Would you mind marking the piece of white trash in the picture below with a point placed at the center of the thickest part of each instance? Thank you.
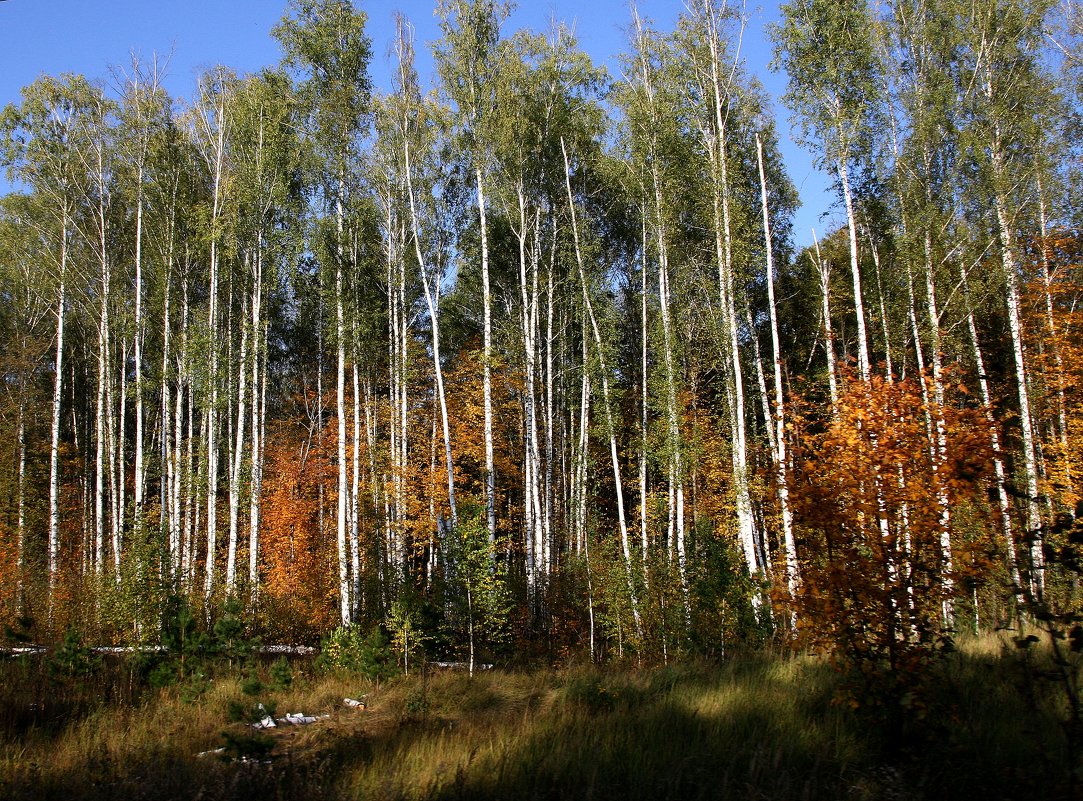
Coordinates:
(354, 703)
(299, 718)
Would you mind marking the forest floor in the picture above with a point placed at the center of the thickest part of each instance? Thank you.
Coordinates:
(759, 726)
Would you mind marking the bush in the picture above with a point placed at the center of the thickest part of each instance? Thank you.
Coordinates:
(345, 649)
(73, 659)
(281, 674)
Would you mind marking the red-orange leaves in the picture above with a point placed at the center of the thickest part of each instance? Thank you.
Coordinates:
(878, 506)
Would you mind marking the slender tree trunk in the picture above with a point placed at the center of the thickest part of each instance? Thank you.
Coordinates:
(1015, 326)
(238, 459)
(855, 271)
(528, 298)
(939, 440)
(119, 459)
(259, 397)
(644, 393)
(20, 524)
(166, 467)
(1003, 502)
(823, 268)
(183, 468)
(139, 471)
(890, 375)
(212, 329)
(716, 142)
(782, 482)
(487, 357)
(355, 496)
(100, 411)
(610, 427)
(100, 439)
(1054, 338)
(431, 288)
(340, 412)
(547, 526)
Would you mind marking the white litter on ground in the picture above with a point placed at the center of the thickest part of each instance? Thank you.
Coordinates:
(353, 702)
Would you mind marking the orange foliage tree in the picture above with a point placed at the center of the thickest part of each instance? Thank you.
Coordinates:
(875, 572)
(297, 588)
(1055, 345)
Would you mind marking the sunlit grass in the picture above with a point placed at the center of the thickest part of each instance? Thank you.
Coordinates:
(760, 726)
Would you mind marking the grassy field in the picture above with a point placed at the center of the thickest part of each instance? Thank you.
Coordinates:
(760, 726)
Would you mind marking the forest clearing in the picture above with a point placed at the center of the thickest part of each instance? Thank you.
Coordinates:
(762, 725)
(523, 366)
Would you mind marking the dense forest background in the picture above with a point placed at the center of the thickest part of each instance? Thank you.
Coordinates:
(526, 362)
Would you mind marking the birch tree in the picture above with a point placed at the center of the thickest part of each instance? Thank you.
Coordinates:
(326, 44)
(826, 50)
(40, 138)
(1006, 96)
(466, 59)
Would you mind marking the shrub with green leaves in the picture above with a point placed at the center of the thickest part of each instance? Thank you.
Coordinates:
(346, 649)
(281, 674)
(73, 659)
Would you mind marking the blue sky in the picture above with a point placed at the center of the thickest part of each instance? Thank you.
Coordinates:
(55, 36)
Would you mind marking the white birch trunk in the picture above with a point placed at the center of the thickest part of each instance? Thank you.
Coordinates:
(1054, 338)
(432, 298)
(1003, 502)
(238, 460)
(644, 391)
(355, 493)
(940, 439)
(139, 471)
(610, 428)
(782, 482)
(855, 271)
(255, 500)
(119, 460)
(1015, 325)
(340, 412)
(823, 269)
(218, 157)
(487, 356)
(54, 428)
(100, 410)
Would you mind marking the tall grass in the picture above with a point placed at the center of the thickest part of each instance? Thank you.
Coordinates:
(757, 727)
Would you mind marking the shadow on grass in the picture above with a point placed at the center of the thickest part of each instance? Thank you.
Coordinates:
(754, 728)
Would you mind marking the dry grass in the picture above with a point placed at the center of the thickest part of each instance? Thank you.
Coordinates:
(763, 727)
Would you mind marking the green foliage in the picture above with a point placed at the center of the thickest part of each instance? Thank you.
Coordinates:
(73, 659)
(281, 674)
(406, 622)
(346, 650)
(417, 702)
(247, 712)
(252, 685)
(194, 685)
(479, 583)
(247, 746)
(228, 640)
(325, 43)
(190, 654)
(826, 48)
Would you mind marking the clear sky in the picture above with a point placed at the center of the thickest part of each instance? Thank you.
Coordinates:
(55, 36)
